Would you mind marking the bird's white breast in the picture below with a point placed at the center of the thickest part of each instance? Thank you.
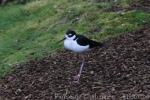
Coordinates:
(73, 46)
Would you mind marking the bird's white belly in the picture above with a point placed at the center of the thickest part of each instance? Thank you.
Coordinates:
(73, 46)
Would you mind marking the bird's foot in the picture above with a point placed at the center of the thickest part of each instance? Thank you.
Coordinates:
(76, 78)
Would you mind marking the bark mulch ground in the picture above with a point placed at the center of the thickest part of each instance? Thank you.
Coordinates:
(118, 71)
(143, 5)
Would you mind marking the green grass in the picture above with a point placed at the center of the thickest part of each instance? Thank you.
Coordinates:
(30, 31)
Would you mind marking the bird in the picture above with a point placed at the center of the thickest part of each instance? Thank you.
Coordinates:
(78, 44)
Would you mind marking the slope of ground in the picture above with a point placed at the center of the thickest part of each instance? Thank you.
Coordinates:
(30, 31)
(119, 70)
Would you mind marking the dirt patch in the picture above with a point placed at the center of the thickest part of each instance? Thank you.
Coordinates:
(134, 5)
(140, 5)
(120, 69)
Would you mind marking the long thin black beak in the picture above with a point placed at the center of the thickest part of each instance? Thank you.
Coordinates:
(61, 40)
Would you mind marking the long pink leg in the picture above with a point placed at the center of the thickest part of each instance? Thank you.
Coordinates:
(77, 77)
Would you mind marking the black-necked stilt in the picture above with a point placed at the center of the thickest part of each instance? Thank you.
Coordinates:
(78, 44)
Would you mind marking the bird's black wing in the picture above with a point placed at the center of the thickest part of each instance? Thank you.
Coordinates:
(82, 40)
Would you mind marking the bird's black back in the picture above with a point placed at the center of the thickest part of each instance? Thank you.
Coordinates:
(81, 40)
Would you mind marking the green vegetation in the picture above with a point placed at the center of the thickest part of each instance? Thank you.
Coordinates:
(30, 31)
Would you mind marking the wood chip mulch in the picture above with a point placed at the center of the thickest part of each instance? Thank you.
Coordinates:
(118, 71)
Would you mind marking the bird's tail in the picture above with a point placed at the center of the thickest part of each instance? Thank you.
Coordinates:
(101, 44)
(96, 44)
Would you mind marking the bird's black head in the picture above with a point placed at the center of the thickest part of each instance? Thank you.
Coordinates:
(70, 33)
